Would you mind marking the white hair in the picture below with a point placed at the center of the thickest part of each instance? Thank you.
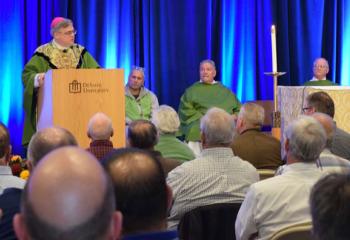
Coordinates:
(307, 139)
(218, 127)
(166, 120)
(321, 58)
(252, 114)
(139, 69)
(211, 62)
(100, 127)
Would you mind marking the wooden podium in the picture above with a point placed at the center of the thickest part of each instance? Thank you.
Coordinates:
(69, 98)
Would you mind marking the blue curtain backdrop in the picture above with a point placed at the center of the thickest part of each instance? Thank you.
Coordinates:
(169, 38)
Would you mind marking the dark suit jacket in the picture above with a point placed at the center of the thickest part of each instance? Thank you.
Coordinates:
(10, 204)
(260, 149)
(341, 144)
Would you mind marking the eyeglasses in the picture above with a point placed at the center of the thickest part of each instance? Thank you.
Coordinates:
(69, 33)
(320, 66)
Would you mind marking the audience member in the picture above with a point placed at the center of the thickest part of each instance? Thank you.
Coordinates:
(143, 134)
(100, 131)
(142, 194)
(42, 142)
(167, 122)
(7, 180)
(252, 145)
(61, 52)
(75, 202)
(280, 201)
(10, 205)
(328, 161)
(201, 96)
(47, 140)
(330, 209)
(217, 176)
(139, 101)
(320, 70)
(322, 102)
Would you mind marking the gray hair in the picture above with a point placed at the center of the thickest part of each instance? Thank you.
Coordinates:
(166, 120)
(253, 114)
(307, 139)
(218, 127)
(321, 58)
(100, 127)
(139, 69)
(211, 62)
(63, 24)
(46, 140)
(328, 124)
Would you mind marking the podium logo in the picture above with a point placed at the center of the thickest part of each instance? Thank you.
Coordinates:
(75, 87)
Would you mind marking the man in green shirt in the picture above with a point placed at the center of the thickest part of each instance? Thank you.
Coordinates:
(61, 52)
(321, 69)
(201, 96)
(139, 101)
(167, 122)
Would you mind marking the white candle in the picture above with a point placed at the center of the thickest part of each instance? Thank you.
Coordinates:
(274, 51)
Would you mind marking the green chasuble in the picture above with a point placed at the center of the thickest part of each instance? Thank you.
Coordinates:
(195, 102)
(320, 83)
(48, 57)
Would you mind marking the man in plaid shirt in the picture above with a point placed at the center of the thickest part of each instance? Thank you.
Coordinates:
(100, 131)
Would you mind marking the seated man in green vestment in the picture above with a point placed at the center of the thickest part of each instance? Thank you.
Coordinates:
(321, 69)
(139, 101)
(201, 96)
(61, 52)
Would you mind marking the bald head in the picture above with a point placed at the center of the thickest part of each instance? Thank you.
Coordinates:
(328, 125)
(141, 190)
(100, 127)
(142, 134)
(68, 194)
(46, 140)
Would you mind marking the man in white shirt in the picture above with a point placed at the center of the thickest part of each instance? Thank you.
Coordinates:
(278, 202)
(328, 161)
(216, 176)
(7, 180)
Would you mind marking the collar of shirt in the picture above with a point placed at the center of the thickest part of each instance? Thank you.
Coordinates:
(316, 79)
(143, 92)
(227, 151)
(104, 142)
(212, 83)
(300, 166)
(5, 170)
(251, 130)
(57, 45)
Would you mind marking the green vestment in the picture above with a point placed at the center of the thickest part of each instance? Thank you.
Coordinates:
(320, 83)
(195, 102)
(47, 57)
